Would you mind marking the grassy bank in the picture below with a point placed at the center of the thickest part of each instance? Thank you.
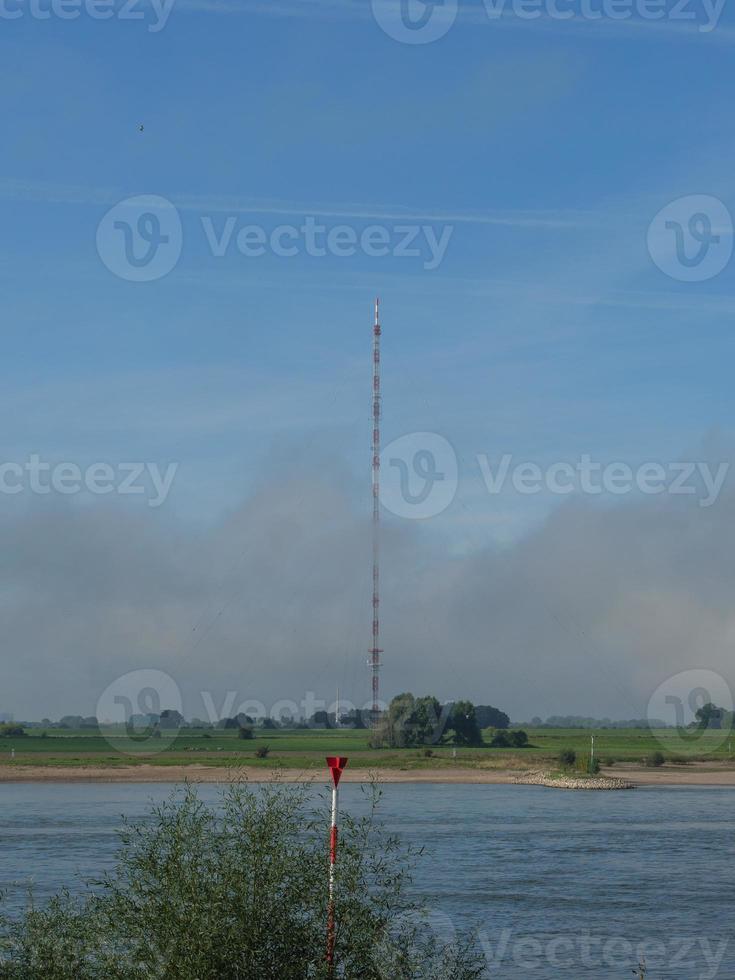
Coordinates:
(304, 749)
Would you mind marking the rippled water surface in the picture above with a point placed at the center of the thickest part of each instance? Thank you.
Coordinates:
(557, 884)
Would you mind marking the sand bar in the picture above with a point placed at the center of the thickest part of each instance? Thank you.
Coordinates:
(697, 774)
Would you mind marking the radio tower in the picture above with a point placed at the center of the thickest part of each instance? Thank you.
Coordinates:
(375, 650)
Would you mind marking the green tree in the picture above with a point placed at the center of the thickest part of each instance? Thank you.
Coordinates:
(170, 718)
(396, 723)
(463, 721)
(489, 717)
(353, 719)
(709, 716)
(9, 730)
(410, 721)
(240, 721)
(235, 891)
(426, 722)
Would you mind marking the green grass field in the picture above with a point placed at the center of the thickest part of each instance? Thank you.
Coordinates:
(305, 749)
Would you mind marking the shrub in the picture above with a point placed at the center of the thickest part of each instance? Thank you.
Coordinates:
(427, 753)
(236, 890)
(9, 730)
(244, 732)
(262, 751)
(567, 758)
(654, 760)
(500, 740)
(593, 766)
(519, 739)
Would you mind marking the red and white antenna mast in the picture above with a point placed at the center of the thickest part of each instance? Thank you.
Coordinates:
(375, 650)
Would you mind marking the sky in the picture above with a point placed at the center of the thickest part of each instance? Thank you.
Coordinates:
(199, 206)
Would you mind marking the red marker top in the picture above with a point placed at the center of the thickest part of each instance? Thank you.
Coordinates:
(337, 764)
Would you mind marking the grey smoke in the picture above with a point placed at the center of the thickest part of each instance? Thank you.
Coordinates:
(587, 614)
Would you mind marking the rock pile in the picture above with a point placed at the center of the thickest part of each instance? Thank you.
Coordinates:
(564, 781)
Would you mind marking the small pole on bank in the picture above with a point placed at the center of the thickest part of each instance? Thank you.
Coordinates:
(592, 749)
(336, 767)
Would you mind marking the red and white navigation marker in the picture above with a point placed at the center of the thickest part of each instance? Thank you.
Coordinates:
(336, 765)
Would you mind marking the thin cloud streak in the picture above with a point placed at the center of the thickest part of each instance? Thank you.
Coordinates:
(44, 192)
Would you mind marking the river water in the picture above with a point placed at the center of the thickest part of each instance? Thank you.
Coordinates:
(555, 884)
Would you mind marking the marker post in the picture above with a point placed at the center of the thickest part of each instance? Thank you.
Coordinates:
(336, 767)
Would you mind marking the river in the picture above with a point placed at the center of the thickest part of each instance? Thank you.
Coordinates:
(556, 884)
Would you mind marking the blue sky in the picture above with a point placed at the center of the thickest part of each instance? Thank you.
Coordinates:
(546, 331)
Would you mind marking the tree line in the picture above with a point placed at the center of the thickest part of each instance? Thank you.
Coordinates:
(411, 721)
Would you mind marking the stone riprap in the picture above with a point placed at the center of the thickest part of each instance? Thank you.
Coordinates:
(570, 781)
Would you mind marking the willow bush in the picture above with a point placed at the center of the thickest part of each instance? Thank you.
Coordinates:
(237, 891)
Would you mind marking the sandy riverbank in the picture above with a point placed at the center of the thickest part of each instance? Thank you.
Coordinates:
(697, 774)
